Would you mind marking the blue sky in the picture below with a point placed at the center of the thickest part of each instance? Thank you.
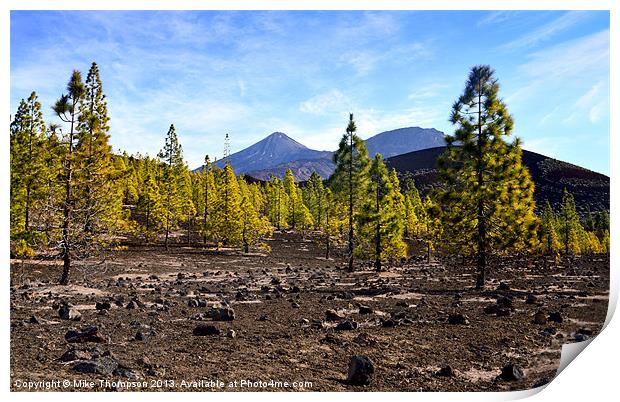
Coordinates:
(251, 73)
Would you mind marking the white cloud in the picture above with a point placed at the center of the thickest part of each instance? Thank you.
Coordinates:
(548, 30)
(586, 55)
(497, 17)
(426, 92)
(326, 103)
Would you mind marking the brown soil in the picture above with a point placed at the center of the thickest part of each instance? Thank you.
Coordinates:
(282, 347)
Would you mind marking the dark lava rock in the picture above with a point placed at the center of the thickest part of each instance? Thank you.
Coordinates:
(346, 296)
(555, 317)
(88, 334)
(365, 309)
(530, 299)
(75, 354)
(68, 313)
(318, 324)
(132, 305)
(503, 312)
(222, 314)
(103, 305)
(581, 337)
(540, 318)
(504, 301)
(511, 372)
(585, 331)
(503, 286)
(36, 320)
(390, 323)
(263, 317)
(458, 319)
(204, 330)
(445, 371)
(332, 315)
(361, 370)
(347, 326)
(126, 372)
(192, 303)
(104, 365)
(491, 309)
(365, 339)
(141, 336)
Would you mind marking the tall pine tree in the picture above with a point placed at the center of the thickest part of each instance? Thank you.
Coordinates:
(27, 142)
(488, 202)
(68, 109)
(350, 177)
(171, 182)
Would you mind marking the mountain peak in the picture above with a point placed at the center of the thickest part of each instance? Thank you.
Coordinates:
(279, 138)
(272, 150)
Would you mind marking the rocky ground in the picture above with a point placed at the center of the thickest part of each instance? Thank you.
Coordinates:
(153, 319)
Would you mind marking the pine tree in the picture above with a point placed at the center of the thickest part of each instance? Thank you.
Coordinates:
(208, 185)
(380, 219)
(149, 203)
(297, 214)
(432, 221)
(228, 222)
(185, 194)
(254, 227)
(549, 237)
(413, 210)
(51, 175)
(350, 177)
(277, 202)
(27, 141)
(314, 198)
(173, 168)
(488, 202)
(98, 202)
(330, 227)
(67, 108)
(569, 226)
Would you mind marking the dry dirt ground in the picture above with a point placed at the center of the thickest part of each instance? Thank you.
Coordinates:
(282, 334)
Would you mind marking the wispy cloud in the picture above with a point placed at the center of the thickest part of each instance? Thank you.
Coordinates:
(545, 32)
(330, 102)
(497, 17)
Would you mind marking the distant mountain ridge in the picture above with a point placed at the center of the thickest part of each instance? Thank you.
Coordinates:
(403, 140)
(303, 161)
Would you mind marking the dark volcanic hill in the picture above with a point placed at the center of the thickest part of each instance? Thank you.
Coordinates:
(273, 150)
(403, 140)
(387, 143)
(550, 176)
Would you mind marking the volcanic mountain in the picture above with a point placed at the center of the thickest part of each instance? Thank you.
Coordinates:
(273, 150)
(550, 177)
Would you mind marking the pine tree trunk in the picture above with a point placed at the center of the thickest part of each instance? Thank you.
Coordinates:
(167, 232)
(351, 204)
(482, 231)
(279, 208)
(189, 231)
(378, 236)
(428, 252)
(66, 244)
(27, 212)
(206, 213)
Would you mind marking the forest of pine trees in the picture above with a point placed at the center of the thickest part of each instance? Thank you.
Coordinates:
(72, 197)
